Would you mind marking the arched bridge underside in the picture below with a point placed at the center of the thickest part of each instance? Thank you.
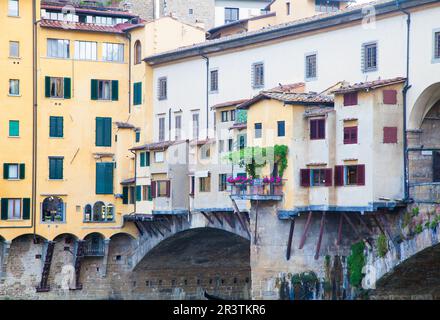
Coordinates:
(412, 271)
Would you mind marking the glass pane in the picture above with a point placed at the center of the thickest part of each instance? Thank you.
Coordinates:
(13, 171)
(13, 49)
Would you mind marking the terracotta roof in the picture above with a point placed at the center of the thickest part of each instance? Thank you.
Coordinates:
(370, 85)
(238, 126)
(109, 11)
(317, 111)
(228, 104)
(290, 98)
(128, 181)
(163, 145)
(124, 125)
(202, 142)
(289, 88)
(88, 27)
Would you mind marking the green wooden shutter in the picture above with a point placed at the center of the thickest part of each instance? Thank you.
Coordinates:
(67, 88)
(124, 195)
(26, 208)
(100, 171)
(99, 131)
(115, 90)
(4, 209)
(137, 96)
(142, 159)
(60, 168)
(138, 193)
(109, 178)
(104, 178)
(14, 128)
(60, 127)
(108, 132)
(47, 87)
(94, 89)
(150, 197)
(147, 159)
(22, 170)
(5, 171)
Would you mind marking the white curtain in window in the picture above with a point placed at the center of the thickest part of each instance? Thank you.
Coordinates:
(13, 172)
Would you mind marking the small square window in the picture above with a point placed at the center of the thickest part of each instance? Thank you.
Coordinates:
(13, 8)
(104, 90)
(258, 130)
(351, 175)
(159, 156)
(225, 115)
(258, 75)
(13, 171)
(370, 57)
(14, 128)
(390, 135)
(14, 87)
(351, 135)
(281, 128)
(14, 49)
(205, 184)
(14, 209)
(56, 87)
(310, 66)
(162, 88)
(350, 99)
(317, 129)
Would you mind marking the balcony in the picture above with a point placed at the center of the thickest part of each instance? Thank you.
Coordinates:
(257, 190)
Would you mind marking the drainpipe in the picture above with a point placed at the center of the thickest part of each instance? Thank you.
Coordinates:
(207, 94)
(34, 118)
(404, 92)
(128, 36)
(135, 179)
(169, 124)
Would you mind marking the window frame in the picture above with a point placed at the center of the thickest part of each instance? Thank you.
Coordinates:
(258, 80)
(11, 86)
(224, 115)
(317, 134)
(307, 75)
(54, 82)
(213, 81)
(283, 123)
(161, 128)
(60, 159)
(17, 123)
(101, 87)
(20, 216)
(351, 138)
(258, 132)
(108, 49)
(17, 43)
(366, 67)
(17, 8)
(222, 182)
(78, 50)
(137, 52)
(17, 166)
(436, 45)
(228, 14)
(65, 49)
(162, 86)
(205, 183)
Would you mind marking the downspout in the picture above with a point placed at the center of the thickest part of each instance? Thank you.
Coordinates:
(128, 36)
(135, 179)
(207, 94)
(169, 124)
(404, 92)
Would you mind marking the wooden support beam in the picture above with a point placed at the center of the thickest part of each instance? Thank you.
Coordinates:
(147, 226)
(229, 218)
(154, 226)
(136, 223)
(376, 221)
(306, 229)
(358, 234)
(341, 219)
(239, 218)
(289, 241)
(210, 221)
(321, 232)
(164, 224)
(218, 216)
(364, 224)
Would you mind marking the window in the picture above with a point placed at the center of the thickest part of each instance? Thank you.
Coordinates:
(231, 15)
(113, 52)
(221, 146)
(58, 48)
(144, 159)
(230, 144)
(13, 8)
(101, 212)
(258, 130)
(162, 129)
(225, 115)
(281, 125)
(288, 8)
(241, 142)
(56, 168)
(178, 126)
(14, 209)
(317, 129)
(195, 124)
(350, 99)
(53, 210)
(163, 189)
(390, 135)
(350, 175)
(326, 6)
(232, 115)
(137, 52)
(137, 93)
(14, 87)
(103, 132)
(437, 45)
(13, 171)
(205, 184)
(14, 128)
(104, 177)
(311, 67)
(137, 136)
(14, 49)
(369, 57)
(351, 135)
(159, 156)
(85, 50)
(316, 177)
(162, 88)
(104, 90)
(258, 75)
(56, 87)
(389, 96)
(222, 185)
(205, 151)
(190, 11)
(214, 81)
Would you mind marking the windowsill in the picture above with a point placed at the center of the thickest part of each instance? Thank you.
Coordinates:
(311, 79)
(53, 222)
(14, 95)
(100, 222)
(14, 58)
(14, 179)
(56, 179)
(162, 99)
(14, 137)
(56, 138)
(58, 58)
(213, 92)
(257, 87)
(9, 16)
(370, 70)
(55, 98)
(14, 220)
(435, 60)
(350, 144)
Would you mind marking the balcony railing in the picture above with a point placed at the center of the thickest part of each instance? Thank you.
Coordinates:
(257, 191)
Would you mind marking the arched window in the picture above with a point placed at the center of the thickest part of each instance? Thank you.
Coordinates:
(88, 213)
(98, 211)
(137, 52)
(94, 246)
(110, 212)
(53, 210)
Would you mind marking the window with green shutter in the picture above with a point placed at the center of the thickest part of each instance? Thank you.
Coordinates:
(57, 87)
(124, 195)
(56, 168)
(14, 128)
(67, 88)
(103, 132)
(142, 159)
(137, 93)
(138, 193)
(13, 171)
(94, 89)
(115, 90)
(138, 136)
(150, 196)
(104, 177)
(56, 127)
(15, 208)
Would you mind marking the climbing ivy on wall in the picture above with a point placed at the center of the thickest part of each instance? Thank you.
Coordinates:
(356, 262)
(382, 245)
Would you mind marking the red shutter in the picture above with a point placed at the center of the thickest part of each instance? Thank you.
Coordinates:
(361, 175)
(347, 135)
(153, 189)
(339, 176)
(321, 129)
(389, 96)
(305, 177)
(390, 135)
(168, 188)
(328, 177)
(313, 129)
(350, 99)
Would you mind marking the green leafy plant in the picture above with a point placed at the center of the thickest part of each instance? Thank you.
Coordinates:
(356, 262)
(407, 217)
(418, 229)
(415, 211)
(382, 245)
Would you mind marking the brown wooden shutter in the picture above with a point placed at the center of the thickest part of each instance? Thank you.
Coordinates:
(313, 129)
(305, 177)
(350, 99)
(168, 188)
(339, 176)
(153, 189)
(389, 96)
(390, 135)
(328, 177)
(361, 175)
(321, 129)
